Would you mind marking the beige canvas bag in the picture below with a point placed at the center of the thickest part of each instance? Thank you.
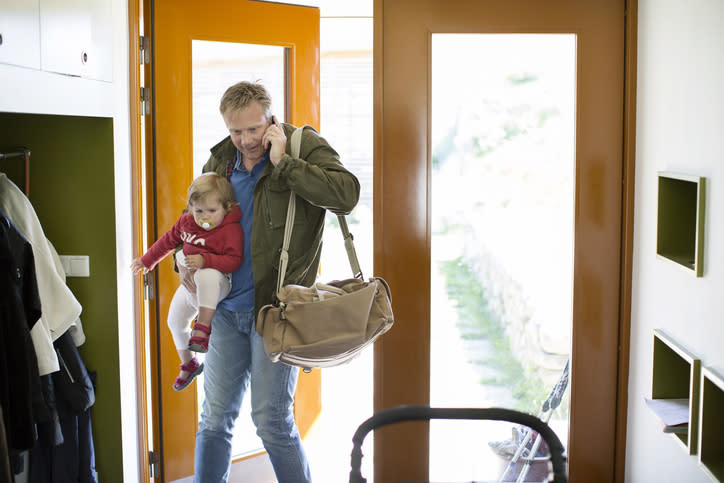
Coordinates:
(326, 324)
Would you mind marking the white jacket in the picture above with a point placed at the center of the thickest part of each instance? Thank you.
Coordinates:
(60, 309)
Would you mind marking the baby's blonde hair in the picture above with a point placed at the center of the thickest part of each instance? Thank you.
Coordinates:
(211, 184)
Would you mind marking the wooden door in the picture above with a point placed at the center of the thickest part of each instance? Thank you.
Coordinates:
(174, 27)
(403, 30)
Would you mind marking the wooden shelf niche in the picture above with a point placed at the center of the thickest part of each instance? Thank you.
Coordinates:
(711, 424)
(680, 221)
(675, 387)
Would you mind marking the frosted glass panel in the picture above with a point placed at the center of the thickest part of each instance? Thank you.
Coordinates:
(346, 122)
(503, 172)
(218, 65)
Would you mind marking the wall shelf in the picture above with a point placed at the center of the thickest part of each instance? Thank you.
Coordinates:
(675, 381)
(680, 221)
(711, 429)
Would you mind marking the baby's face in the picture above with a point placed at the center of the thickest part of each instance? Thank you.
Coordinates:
(208, 213)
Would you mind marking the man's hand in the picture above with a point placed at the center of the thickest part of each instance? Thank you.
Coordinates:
(194, 261)
(274, 136)
(185, 273)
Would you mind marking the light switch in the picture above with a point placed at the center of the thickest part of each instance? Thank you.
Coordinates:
(65, 261)
(76, 265)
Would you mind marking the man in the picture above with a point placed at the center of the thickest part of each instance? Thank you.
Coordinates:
(255, 159)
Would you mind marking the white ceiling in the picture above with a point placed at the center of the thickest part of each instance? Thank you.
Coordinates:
(337, 8)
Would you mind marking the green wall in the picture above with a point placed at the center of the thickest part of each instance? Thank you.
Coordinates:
(72, 191)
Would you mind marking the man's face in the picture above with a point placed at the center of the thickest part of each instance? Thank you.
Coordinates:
(246, 127)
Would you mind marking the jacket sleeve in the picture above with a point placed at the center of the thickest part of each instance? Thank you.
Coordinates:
(230, 259)
(163, 246)
(73, 385)
(318, 176)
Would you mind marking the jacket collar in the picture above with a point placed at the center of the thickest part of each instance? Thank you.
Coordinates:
(224, 150)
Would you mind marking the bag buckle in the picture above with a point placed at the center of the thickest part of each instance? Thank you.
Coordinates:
(282, 312)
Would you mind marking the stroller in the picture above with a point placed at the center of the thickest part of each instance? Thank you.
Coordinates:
(426, 413)
(526, 448)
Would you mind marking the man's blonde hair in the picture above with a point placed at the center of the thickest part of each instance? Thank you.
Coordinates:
(208, 185)
(242, 94)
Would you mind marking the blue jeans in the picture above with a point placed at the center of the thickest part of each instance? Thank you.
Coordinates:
(236, 361)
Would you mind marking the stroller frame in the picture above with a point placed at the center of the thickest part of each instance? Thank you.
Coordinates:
(425, 413)
(549, 405)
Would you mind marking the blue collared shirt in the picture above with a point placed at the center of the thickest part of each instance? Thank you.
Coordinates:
(241, 297)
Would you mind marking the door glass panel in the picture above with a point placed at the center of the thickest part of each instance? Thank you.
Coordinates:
(503, 172)
(216, 66)
(346, 122)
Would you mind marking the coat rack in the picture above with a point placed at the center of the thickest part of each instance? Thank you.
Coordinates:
(20, 153)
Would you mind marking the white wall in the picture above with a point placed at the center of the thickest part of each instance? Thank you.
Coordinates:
(124, 240)
(679, 128)
(35, 91)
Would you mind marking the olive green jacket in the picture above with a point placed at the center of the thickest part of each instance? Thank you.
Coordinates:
(320, 182)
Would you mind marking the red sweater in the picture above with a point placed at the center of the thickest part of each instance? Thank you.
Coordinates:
(221, 247)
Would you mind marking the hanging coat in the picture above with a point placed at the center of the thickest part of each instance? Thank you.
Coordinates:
(19, 312)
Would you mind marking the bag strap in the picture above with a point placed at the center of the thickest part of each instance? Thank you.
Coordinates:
(349, 247)
(296, 142)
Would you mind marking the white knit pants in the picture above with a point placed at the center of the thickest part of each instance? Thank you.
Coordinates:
(212, 286)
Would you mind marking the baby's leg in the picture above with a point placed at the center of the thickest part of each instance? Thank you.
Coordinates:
(180, 312)
(211, 287)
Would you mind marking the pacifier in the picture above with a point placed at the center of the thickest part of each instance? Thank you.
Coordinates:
(207, 224)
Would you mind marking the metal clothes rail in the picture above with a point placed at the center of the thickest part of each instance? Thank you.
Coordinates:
(20, 153)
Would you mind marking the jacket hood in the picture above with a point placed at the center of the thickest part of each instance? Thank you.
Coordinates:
(233, 216)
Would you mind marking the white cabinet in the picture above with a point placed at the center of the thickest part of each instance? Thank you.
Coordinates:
(76, 38)
(71, 37)
(56, 56)
(20, 33)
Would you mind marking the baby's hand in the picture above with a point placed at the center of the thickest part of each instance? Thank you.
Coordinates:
(137, 266)
(194, 261)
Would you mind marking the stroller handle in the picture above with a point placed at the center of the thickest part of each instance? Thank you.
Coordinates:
(425, 413)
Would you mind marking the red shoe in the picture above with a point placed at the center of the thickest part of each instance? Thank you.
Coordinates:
(200, 343)
(193, 368)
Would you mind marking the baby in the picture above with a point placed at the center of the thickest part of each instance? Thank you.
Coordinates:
(212, 246)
